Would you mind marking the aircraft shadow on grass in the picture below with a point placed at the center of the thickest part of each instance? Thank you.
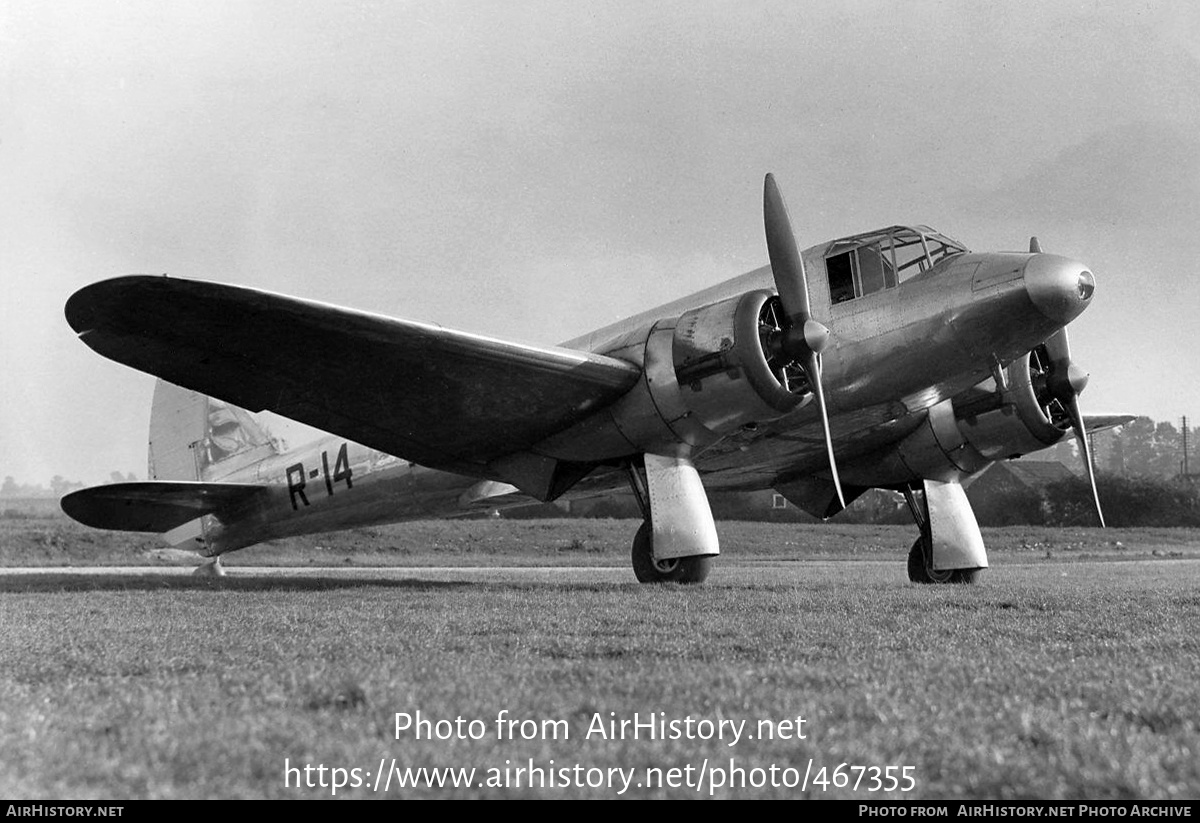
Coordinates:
(143, 581)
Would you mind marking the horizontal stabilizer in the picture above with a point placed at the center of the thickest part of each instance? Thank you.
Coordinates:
(155, 506)
(1100, 422)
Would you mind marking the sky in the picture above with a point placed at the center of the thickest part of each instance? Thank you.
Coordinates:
(533, 170)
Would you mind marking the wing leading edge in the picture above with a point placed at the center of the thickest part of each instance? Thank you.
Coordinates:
(446, 399)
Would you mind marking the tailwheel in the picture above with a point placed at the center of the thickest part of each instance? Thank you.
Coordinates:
(210, 567)
(673, 570)
(920, 567)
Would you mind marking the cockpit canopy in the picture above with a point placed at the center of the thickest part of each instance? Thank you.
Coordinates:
(867, 263)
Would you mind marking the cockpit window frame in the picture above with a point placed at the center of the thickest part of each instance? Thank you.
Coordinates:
(934, 246)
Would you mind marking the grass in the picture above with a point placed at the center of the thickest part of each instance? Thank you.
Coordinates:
(1075, 680)
(58, 541)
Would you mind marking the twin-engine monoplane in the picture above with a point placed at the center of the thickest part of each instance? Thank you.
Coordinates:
(894, 359)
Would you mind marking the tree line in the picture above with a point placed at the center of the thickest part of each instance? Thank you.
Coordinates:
(1142, 448)
(59, 485)
(1140, 477)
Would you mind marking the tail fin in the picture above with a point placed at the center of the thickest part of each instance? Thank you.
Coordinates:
(194, 437)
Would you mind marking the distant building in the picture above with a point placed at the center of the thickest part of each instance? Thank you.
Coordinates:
(1013, 492)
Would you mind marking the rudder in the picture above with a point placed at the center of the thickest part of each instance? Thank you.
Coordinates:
(195, 437)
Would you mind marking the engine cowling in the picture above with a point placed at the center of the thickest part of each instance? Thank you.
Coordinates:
(987, 422)
(719, 357)
(707, 374)
(1025, 419)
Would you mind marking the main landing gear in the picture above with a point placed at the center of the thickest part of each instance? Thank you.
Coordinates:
(677, 540)
(955, 554)
(920, 566)
(671, 570)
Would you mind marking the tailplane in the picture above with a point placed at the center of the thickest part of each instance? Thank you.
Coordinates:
(195, 441)
(158, 506)
(194, 437)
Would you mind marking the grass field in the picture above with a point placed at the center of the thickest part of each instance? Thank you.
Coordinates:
(1066, 676)
(40, 540)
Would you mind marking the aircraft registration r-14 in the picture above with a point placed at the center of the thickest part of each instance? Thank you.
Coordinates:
(894, 359)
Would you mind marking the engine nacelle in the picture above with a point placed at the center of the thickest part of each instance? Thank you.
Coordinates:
(987, 422)
(706, 374)
(721, 367)
(1023, 422)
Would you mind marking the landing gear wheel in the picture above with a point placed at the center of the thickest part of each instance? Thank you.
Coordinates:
(675, 570)
(920, 568)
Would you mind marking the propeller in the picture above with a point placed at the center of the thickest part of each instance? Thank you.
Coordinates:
(1065, 382)
(801, 338)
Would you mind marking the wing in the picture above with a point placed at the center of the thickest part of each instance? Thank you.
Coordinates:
(155, 506)
(442, 398)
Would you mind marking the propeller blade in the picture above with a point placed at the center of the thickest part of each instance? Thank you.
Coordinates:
(1034, 246)
(804, 337)
(813, 366)
(1067, 380)
(1084, 449)
(786, 263)
(1058, 346)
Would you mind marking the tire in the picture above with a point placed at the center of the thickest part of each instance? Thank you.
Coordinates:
(919, 571)
(676, 570)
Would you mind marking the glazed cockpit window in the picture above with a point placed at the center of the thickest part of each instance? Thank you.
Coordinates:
(869, 263)
(841, 277)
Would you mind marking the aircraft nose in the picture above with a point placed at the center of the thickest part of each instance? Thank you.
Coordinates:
(1059, 287)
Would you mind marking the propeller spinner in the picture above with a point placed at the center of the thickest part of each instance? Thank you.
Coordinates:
(1065, 382)
(801, 338)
